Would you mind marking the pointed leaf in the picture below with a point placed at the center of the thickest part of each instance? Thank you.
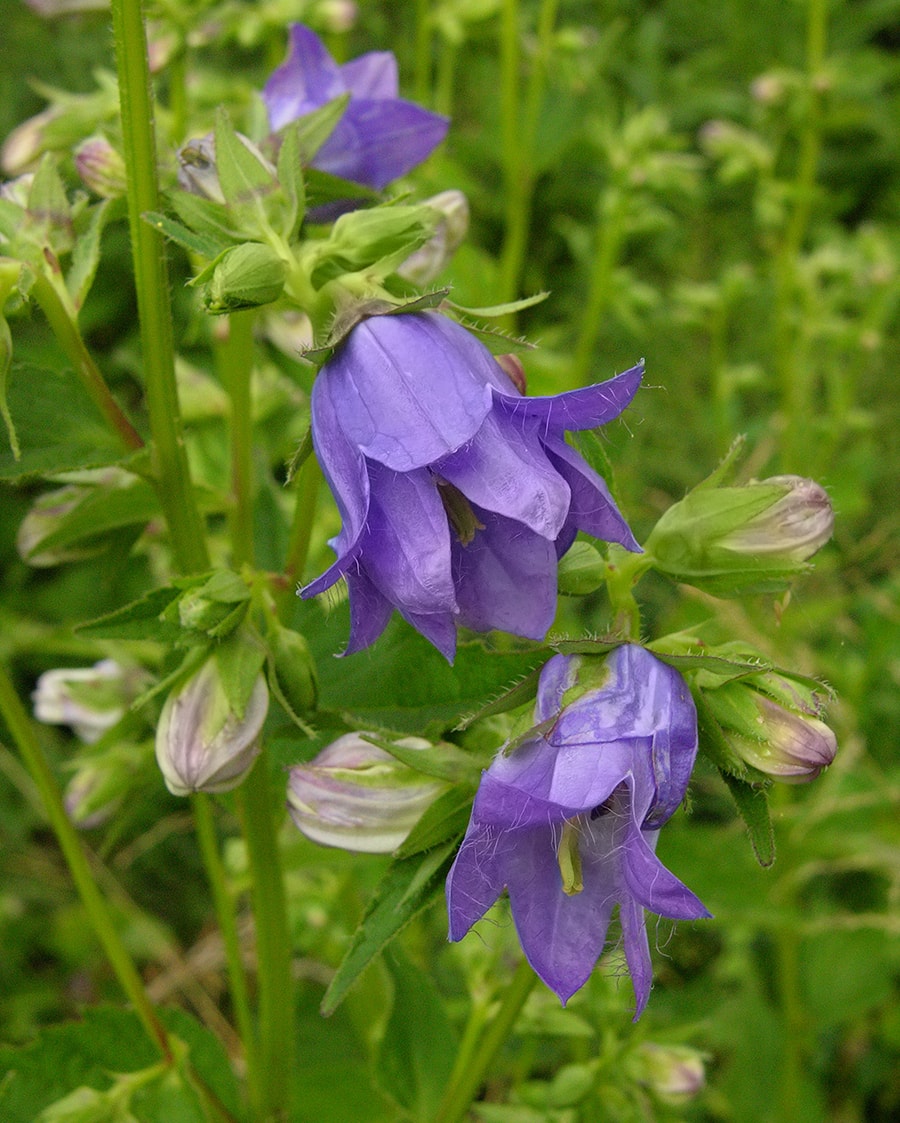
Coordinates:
(409, 886)
(753, 806)
(86, 253)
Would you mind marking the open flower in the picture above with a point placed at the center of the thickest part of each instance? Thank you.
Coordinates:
(379, 137)
(458, 495)
(568, 818)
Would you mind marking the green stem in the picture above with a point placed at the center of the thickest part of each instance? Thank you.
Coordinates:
(169, 459)
(422, 82)
(610, 236)
(65, 327)
(623, 571)
(795, 383)
(23, 734)
(301, 528)
(240, 996)
(234, 356)
(462, 1090)
(273, 948)
(519, 171)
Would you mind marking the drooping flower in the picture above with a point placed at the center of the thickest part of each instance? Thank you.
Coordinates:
(379, 137)
(568, 818)
(457, 493)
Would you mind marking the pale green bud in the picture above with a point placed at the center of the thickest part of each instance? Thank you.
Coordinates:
(101, 167)
(736, 540)
(356, 796)
(201, 742)
(427, 261)
(675, 1073)
(295, 669)
(89, 699)
(245, 277)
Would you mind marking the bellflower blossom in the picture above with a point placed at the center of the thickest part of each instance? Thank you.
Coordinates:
(458, 495)
(379, 137)
(568, 818)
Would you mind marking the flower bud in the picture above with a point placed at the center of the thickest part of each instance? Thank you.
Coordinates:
(358, 797)
(89, 699)
(197, 171)
(674, 1072)
(101, 167)
(424, 264)
(295, 669)
(246, 276)
(581, 570)
(736, 540)
(23, 147)
(202, 743)
(773, 723)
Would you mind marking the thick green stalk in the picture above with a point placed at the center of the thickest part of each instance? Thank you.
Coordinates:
(794, 375)
(169, 459)
(240, 995)
(610, 236)
(520, 174)
(462, 1090)
(24, 736)
(234, 355)
(273, 948)
(65, 328)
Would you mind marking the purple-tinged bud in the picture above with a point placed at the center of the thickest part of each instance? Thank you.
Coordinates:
(24, 146)
(794, 527)
(736, 540)
(202, 743)
(358, 797)
(425, 263)
(773, 722)
(335, 15)
(89, 699)
(675, 1073)
(197, 171)
(101, 167)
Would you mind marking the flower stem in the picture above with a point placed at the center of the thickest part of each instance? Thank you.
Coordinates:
(65, 328)
(422, 85)
(468, 1079)
(310, 476)
(234, 357)
(610, 236)
(273, 948)
(240, 997)
(169, 460)
(23, 734)
(793, 373)
(520, 172)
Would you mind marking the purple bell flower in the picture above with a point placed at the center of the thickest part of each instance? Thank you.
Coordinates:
(379, 137)
(568, 819)
(458, 495)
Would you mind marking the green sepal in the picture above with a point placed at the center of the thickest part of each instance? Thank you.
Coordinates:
(313, 129)
(443, 761)
(49, 211)
(202, 244)
(753, 806)
(240, 659)
(445, 819)
(247, 185)
(86, 251)
(290, 176)
(492, 311)
(205, 217)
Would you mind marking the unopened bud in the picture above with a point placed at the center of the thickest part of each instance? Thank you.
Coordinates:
(773, 723)
(101, 167)
(89, 699)
(202, 743)
(216, 607)
(358, 797)
(295, 668)
(245, 277)
(736, 540)
(582, 570)
(675, 1073)
(25, 144)
(197, 171)
(424, 264)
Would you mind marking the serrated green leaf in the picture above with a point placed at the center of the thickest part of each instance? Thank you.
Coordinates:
(409, 886)
(103, 509)
(48, 207)
(141, 619)
(290, 176)
(407, 685)
(205, 217)
(753, 806)
(203, 244)
(240, 659)
(245, 181)
(86, 253)
(416, 1054)
(490, 311)
(59, 427)
(313, 129)
(445, 819)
